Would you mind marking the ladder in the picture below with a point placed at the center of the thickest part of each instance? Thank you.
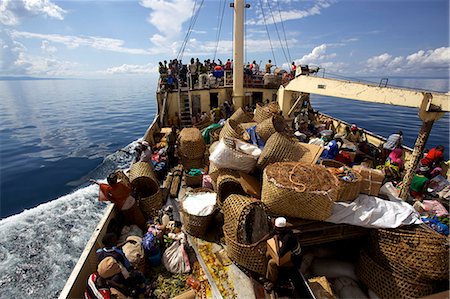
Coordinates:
(184, 104)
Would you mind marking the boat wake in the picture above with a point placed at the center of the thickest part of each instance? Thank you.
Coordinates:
(41, 246)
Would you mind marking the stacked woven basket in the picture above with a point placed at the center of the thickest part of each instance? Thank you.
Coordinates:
(403, 262)
(241, 215)
(191, 148)
(193, 224)
(299, 190)
(280, 148)
(348, 189)
(231, 129)
(240, 116)
(264, 112)
(147, 188)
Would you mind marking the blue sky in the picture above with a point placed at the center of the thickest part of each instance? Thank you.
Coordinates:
(49, 38)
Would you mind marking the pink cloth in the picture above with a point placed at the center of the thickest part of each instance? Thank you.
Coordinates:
(396, 156)
(207, 182)
(435, 207)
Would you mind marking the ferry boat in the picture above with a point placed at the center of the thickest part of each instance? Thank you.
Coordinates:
(203, 94)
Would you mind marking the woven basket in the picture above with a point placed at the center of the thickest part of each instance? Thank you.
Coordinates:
(245, 126)
(231, 129)
(348, 191)
(144, 182)
(151, 205)
(141, 170)
(235, 211)
(240, 116)
(189, 163)
(134, 215)
(280, 148)
(196, 225)
(416, 249)
(191, 143)
(264, 112)
(193, 181)
(267, 127)
(299, 190)
(227, 183)
(249, 257)
(387, 283)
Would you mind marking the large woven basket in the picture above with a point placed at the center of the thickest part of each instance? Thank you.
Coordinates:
(227, 183)
(141, 171)
(236, 210)
(387, 283)
(191, 143)
(240, 116)
(280, 148)
(193, 224)
(416, 249)
(250, 257)
(264, 112)
(348, 190)
(189, 163)
(231, 129)
(299, 190)
(146, 187)
(267, 127)
(151, 205)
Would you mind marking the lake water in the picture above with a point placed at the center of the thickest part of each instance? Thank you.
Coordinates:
(56, 134)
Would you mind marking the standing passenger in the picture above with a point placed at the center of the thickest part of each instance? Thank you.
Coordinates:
(268, 66)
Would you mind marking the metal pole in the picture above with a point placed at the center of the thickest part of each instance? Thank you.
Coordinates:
(416, 157)
(238, 58)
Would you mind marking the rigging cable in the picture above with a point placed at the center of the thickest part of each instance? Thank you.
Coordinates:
(179, 55)
(267, 29)
(278, 34)
(284, 31)
(219, 28)
(191, 26)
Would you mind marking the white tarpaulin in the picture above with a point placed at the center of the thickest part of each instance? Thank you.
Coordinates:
(374, 212)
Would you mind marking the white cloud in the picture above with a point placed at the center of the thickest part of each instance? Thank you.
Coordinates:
(286, 15)
(317, 55)
(437, 59)
(168, 17)
(47, 48)
(149, 68)
(99, 43)
(11, 11)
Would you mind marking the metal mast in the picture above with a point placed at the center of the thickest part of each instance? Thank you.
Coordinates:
(238, 54)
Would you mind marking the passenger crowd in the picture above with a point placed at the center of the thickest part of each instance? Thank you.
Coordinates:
(206, 73)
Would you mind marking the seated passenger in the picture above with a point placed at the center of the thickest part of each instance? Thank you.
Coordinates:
(354, 135)
(420, 183)
(434, 157)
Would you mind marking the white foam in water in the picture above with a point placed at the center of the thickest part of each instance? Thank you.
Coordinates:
(39, 247)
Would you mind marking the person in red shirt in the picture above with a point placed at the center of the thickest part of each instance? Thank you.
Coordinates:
(433, 157)
(293, 69)
(117, 192)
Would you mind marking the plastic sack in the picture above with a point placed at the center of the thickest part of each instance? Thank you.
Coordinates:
(235, 154)
(331, 268)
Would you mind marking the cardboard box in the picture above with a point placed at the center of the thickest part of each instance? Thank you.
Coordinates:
(271, 250)
(372, 179)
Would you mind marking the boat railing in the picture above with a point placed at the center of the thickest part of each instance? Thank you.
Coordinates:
(220, 79)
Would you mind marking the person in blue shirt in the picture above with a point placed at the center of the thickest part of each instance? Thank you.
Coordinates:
(331, 150)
